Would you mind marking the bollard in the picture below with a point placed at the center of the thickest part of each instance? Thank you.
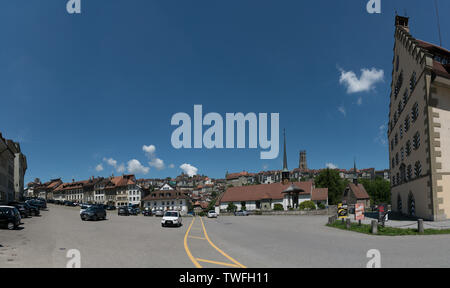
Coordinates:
(342, 221)
(374, 227)
(420, 226)
(330, 220)
(359, 222)
(348, 224)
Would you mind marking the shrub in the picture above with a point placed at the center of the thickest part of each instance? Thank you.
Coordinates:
(307, 205)
(321, 206)
(278, 207)
(231, 207)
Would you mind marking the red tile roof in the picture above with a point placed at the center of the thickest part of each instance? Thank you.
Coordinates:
(359, 191)
(269, 191)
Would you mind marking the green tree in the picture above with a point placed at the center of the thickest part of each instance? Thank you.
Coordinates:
(330, 179)
(379, 190)
(231, 207)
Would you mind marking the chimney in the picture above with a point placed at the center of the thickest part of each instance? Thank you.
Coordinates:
(403, 22)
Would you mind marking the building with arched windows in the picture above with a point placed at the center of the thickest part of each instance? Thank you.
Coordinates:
(419, 127)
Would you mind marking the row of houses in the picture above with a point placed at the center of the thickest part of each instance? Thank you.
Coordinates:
(274, 176)
(13, 165)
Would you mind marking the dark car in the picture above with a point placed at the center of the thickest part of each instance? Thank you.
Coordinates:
(123, 211)
(147, 212)
(69, 203)
(93, 213)
(134, 211)
(34, 211)
(9, 217)
(37, 203)
(110, 207)
(23, 210)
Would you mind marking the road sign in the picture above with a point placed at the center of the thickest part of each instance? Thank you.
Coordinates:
(342, 211)
(359, 211)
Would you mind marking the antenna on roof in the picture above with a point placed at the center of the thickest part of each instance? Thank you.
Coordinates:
(438, 23)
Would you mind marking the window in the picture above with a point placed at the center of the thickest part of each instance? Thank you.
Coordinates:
(397, 63)
(416, 141)
(396, 139)
(400, 107)
(405, 98)
(408, 148)
(409, 173)
(398, 85)
(415, 112)
(418, 169)
(412, 81)
(401, 132)
(406, 123)
(396, 159)
(393, 162)
(402, 152)
(392, 144)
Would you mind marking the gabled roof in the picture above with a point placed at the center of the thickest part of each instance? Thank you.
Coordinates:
(263, 191)
(359, 191)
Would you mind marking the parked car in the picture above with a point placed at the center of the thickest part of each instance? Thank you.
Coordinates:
(159, 213)
(69, 203)
(23, 210)
(37, 203)
(9, 217)
(34, 211)
(134, 211)
(123, 211)
(147, 212)
(171, 218)
(212, 214)
(110, 207)
(241, 213)
(83, 207)
(93, 213)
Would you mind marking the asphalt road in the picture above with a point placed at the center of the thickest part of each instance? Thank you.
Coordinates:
(254, 241)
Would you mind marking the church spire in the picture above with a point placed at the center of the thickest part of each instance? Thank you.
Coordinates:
(355, 177)
(285, 177)
(285, 166)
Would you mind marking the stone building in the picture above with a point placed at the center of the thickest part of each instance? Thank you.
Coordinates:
(419, 126)
(6, 171)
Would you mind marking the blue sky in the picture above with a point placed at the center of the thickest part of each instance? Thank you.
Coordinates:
(82, 90)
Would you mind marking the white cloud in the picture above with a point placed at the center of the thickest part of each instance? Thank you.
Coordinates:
(365, 83)
(120, 168)
(342, 110)
(171, 166)
(157, 163)
(189, 169)
(149, 150)
(113, 163)
(382, 135)
(99, 168)
(331, 166)
(110, 161)
(135, 167)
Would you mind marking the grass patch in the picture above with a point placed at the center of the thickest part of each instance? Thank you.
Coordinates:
(387, 231)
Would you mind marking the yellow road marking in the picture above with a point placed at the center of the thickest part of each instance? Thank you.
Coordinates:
(217, 248)
(188, 252)
(195, 237)
(218, 263)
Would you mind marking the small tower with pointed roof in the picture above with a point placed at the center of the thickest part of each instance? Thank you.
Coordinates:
(285, 177)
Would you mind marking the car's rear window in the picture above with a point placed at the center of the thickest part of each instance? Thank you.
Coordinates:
(171, 214)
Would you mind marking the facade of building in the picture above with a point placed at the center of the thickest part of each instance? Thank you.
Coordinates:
(168, 199)
(419, 127)
(20, 167)
(6, 171)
